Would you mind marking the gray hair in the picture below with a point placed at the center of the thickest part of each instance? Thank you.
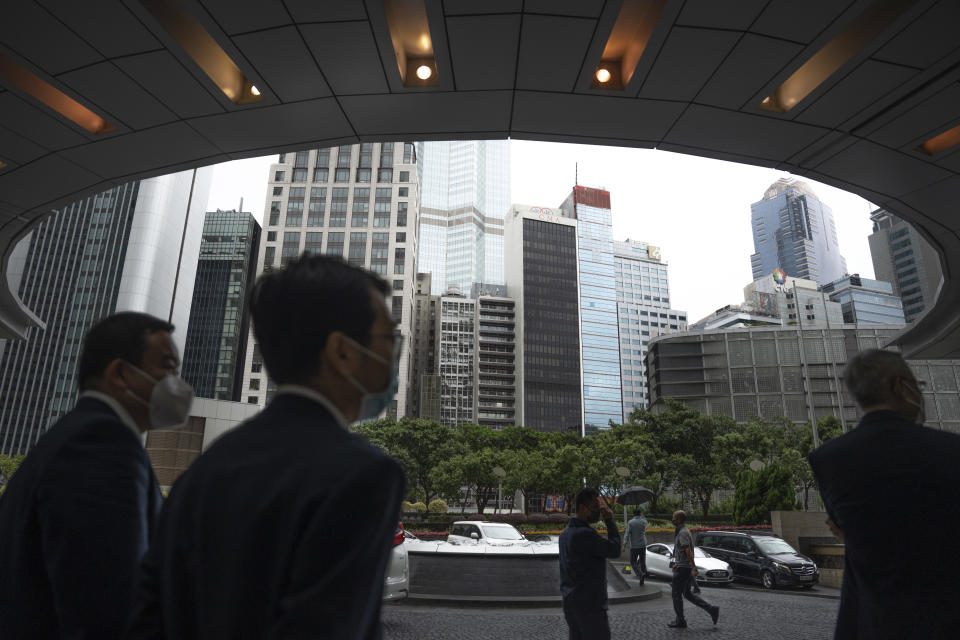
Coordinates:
(870, 375)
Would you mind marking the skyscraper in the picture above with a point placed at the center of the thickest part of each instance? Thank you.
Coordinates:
(130, 248)
(643, 311)
(496, 391)
(465, 194)
(217, 335)
(903, 258)
(540, 266)
(865, 301)
(599, 335)
(794, 231)
(457, 357)
(337, 188)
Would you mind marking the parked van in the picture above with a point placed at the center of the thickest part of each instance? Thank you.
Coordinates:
(762, 558)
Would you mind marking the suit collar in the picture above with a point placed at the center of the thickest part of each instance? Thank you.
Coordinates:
(116, 407)
(315, 396)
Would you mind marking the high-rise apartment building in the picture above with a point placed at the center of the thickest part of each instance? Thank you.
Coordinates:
(496, 392)
(456, 357)
(216, 342)
(359, 202)
(540, 266)
(794, 231)
(131, 248)
(599, 333)
(464, 196)
(866, 301)
(643, 312)
(903, 258)
(423, 378)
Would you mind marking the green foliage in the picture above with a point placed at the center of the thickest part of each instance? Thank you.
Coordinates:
(419, 507)
(723, 507)
(437, 506)
(407, 507)
(8, 465)
(760, 492)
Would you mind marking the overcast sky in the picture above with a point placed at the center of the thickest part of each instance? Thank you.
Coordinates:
(697, 210)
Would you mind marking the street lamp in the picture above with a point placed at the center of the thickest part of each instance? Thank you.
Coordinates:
(624, 473)
(500, 473)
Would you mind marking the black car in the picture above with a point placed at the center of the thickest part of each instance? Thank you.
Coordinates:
(762, 558)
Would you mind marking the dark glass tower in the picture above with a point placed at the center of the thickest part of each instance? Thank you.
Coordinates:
(217, 334)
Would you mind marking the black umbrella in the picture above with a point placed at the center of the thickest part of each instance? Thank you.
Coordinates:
(635, 495)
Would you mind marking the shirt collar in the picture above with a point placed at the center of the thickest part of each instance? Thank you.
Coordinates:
(316, 396)
(117, 408)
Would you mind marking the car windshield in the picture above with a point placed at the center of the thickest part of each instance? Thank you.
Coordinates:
(502, 532)
(774, 545)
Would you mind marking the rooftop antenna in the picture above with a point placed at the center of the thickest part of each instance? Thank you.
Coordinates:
(576, 178)
(240, 210)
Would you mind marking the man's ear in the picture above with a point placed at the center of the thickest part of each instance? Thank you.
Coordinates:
(116, 374)
(338, 352)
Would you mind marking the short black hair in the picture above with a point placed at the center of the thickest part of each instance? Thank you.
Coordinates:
(121, 335)
(587, 495)
(638, 511)
(871, 374)
(296, 308)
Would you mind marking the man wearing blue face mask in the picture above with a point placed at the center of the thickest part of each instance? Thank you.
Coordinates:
(891, 463)
(283, 527)
(76, 518)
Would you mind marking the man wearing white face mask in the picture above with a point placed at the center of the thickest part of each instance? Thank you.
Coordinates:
(76, 518)
(283, 527)
(891, 464)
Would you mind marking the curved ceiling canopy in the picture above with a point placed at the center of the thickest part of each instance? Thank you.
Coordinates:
(863, 95)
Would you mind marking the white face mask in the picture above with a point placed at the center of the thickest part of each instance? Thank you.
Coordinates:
(375, 402)
(170, 400)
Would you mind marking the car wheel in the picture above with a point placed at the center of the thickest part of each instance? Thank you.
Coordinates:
(766, 579)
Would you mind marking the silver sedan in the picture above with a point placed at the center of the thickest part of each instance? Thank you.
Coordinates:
(710, 570)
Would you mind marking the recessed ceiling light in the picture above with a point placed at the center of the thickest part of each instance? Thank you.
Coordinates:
(938, 144)
(627, 41)
(49, 95)
(424, 72)
(203, 49)
(603, 75)
(870, 23)
(412, 45)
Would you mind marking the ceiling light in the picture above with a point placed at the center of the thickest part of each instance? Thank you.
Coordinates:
(2, 164)
(603, 75)
(628, 40)
(203, 49)
(412, 45)
(31, 84)
(870, 23)
(946, 140)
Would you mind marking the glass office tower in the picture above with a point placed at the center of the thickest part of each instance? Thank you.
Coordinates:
(465, 194)
(794, 231)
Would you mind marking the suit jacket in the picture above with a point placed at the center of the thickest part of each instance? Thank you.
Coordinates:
(74, 524)
(281, 529)
(892, 488)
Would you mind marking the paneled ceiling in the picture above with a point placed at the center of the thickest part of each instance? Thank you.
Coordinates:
(327, 74)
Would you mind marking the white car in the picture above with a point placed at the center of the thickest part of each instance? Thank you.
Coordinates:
(492, 533)
(710, 570)
(396, 585)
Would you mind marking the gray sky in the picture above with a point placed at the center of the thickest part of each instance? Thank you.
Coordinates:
(696, 209)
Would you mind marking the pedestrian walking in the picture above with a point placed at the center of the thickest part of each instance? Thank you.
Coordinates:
(684, 573)
(583, 567)
(283, 527)
(891, 459)
(636, 538)
(76, 518)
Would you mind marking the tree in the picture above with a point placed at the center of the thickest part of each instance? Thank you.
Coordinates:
(8, 465)
(760, 492)
(798, 444)
(473, 470)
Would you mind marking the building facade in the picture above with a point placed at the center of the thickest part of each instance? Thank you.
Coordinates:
(866, 301)
(216, 342)
(794, 231)
(131, 248)
(797, 301)
(784, 372)
(903, 258)
(643, 312)
(359, 202)
(541, 269)
(496, 391)
(465, 194)
(457, 358)
(424, 351)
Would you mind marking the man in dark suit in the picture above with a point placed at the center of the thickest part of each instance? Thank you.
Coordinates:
(76, 517)
(283, 527)
(891, 464)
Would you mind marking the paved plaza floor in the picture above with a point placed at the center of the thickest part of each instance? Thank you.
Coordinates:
(744, 613)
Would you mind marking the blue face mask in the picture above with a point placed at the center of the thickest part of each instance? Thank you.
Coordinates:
(375, 402)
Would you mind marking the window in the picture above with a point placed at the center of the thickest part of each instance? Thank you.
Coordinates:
(269, 256)
(364, 175)
(359, 220)
(338, 220)
(283, 158)
(361, 200)
(399, 258)
(254, 384)
(342, 175)
(338, 202)
(321, 174)
(383, 199)
(274, 219)
(358, 248)
(301, 159)
(279, 176)
(397, 309)
(313, 241)
(401, 236)
(271, 236)
(403, 192)
(256, 366)
(343, 157)
(294, 220)
(401, 219)
(384, 175)
(251, 399)
(404, 176)
(323, 157)
(366, 155)
(409, 154)
(300, 175)
(386, 155)
(381, 219)
(278, 191)
(291, 247)
(335, 243)
(398, 285)
(314, 219)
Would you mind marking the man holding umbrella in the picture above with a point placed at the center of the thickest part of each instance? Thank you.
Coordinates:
(636, 536)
